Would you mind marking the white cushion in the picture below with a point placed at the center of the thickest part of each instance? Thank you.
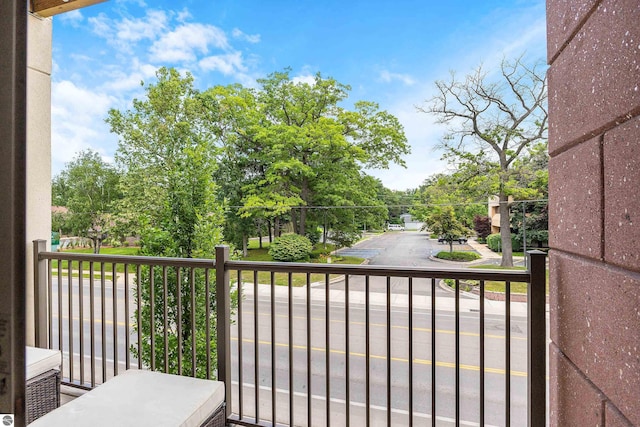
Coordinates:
(141, 398)
(40, 360)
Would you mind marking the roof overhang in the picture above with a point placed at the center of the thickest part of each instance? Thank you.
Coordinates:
(46, 8)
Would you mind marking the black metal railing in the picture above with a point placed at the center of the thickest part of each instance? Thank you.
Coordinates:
(308, 344)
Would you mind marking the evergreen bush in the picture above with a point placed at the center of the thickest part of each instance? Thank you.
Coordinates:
(291, 247)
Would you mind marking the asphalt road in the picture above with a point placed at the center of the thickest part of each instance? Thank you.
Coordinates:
(495, 377)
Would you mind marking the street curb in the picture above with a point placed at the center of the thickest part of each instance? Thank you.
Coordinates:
(445, 287)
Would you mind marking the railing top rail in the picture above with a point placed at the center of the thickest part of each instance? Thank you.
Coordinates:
(375, 270)
(130, 259)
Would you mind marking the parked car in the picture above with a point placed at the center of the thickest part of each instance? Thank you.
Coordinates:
(460, 240)
(395, 227)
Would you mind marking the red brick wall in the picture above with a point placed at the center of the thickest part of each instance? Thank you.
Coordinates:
(594, 191)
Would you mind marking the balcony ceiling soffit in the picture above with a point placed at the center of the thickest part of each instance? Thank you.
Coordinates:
(47, 8)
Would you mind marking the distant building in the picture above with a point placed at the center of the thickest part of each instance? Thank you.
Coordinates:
(410, 223)
(494, 213)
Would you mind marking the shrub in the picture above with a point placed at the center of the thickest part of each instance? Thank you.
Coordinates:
(482, 226)
(458, 256)
(495, 243)
(290, 247)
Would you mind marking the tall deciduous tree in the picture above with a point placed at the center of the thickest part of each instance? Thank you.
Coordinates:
(299, 148)
(493, 118)
(167, 152)
(88, 187)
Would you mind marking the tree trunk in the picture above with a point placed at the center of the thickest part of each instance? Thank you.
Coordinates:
(303, 209)
(276, 227)
(303, 221)
(269, 230)
(245, 245)
(260, 235)
(294, 221)
(505, 231)
(450, 246)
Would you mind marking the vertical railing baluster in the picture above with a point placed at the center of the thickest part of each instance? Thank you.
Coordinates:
(507, 352)
(223, 322)
(92, 325)
(290, 308)
(388, 350)
(537, 339)
(127, 320)
(41, 296)
(114, 290)
(273, 347)
(139, 313)
(165, 308)
(207, 320)
(240, 355)
(433, 353)
(81, 318)
(179, 321)
(192, 280)
(457, 339)
(410, 318)
(327, 344)
(103, 321)
(309, 402)
(60, 315)
(256, 351)
(347, 349)
(50, 302)
(152, 317)
(367, 352)
(70, 322)
(482, 387)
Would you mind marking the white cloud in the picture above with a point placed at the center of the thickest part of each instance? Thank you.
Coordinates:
(150, 27)
(77, 122)
(182, 44)
(309, 79)
(73, 18)
(183, 15)
(388, 77)
(126, 32)
(121, 81)
(251, 38)
(227, 64)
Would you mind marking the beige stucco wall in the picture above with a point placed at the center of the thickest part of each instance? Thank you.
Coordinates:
(38, 221)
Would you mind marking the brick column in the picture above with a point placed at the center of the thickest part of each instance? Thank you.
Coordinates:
(594, 223)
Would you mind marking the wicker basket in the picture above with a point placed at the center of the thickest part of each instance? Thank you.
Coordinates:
(217, 419)
(42, 394)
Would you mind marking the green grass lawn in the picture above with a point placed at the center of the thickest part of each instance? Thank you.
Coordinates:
(516, 287)
(255, 254)
(124, 250)
(296, 279)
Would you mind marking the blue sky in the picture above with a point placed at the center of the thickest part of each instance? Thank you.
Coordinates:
(389, 51)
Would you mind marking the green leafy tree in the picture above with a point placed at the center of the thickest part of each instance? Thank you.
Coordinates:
(492, 120)
(297, 148)
(443, 222)
(166, 149)
(88, 187)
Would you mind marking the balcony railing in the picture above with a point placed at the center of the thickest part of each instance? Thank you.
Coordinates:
(305, 344)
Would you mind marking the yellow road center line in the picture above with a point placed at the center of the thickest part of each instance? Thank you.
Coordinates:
(406, 328)
(395, 359)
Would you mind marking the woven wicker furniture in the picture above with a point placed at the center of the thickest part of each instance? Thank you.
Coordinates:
(42, 393)
(143, 398)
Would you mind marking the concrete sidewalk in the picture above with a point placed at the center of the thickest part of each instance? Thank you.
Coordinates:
(378, 299)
